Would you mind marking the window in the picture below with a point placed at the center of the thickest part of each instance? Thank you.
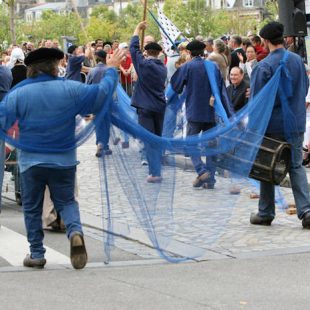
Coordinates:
(248, 3)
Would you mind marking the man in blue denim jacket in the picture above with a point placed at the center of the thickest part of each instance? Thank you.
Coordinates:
(43, 99)
(279, 125)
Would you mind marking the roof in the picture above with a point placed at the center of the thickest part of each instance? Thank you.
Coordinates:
(54, 6)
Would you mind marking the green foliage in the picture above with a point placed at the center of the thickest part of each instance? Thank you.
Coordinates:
(103, 12)
(271, 10)
(195, 18)
(52, 26)
(192, 17)
(4, 25)
(100, 28)
(130, 17)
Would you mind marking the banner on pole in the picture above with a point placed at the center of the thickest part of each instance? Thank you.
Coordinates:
(169, 31)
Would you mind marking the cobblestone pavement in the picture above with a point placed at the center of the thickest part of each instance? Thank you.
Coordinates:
(210, 223)
(212, 220)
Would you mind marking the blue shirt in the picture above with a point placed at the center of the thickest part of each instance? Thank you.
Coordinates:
(149, 91)
(193, 75)
(74, 66)
(48, 100)
(263, 72)
(95, 75)
(5, 80)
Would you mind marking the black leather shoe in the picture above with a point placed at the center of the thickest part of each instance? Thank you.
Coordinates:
(255, 219)
(306, 221)
(78, 254)
(34, 262)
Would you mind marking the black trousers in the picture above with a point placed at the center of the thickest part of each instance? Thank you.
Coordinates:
(152, 121)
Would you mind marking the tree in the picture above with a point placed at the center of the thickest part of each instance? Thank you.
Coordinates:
(102, 24)
(271, 10)
(53, 26)
(103, 12)
(11, 5)
(130, 17)
(194, 18)
(98, 28)
(4, 27)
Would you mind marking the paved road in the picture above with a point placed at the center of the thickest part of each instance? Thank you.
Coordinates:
(241, 266)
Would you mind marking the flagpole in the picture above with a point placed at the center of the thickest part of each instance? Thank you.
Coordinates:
(144, 18)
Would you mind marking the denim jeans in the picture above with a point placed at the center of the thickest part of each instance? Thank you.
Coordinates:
(298, 179)
(170, 119)
(194, 128)
(103, 132)
(61, 185)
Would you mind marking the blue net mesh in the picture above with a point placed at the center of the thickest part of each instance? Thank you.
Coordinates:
(161, 213)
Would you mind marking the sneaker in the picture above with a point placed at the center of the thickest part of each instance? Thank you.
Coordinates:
(78, 254)
(116, 141)
(34, 262)
(256, 219)
(306, 221)
(154, 179)
(144, 162)
(125, 145)
(234, 190)
(201, 179)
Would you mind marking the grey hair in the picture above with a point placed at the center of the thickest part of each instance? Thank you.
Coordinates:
(49, 66)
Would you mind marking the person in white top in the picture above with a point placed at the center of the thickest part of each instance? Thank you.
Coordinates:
(250, 63)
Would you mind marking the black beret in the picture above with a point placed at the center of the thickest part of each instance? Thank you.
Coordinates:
(72, 48)
(195, 45)
(101, 54)
(153, 46)
(42, 54)
(273, 30)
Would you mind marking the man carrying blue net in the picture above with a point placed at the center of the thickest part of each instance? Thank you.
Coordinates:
(200, 114)
(287, 122)
(46, 108)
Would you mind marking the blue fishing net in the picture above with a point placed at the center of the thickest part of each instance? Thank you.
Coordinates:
(180, 222)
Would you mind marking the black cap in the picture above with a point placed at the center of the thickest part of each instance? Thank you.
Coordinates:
(195, 45)
(153, 46)
(271, 31)
(42, 54)
(101, 54)
(72, 48)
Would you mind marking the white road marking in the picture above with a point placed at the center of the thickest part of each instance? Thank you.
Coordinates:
(14, 247)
